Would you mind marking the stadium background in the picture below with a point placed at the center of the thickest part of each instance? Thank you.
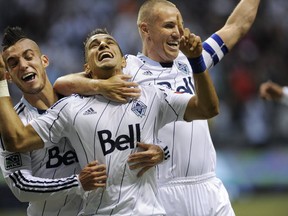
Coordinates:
(250, 135)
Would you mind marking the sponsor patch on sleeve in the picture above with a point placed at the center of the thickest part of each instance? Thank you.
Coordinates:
(13, 161)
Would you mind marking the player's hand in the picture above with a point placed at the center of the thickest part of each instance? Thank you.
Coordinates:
(270, 91)
(190, 44)
(93, 176)
(119, 89)
(150, 157)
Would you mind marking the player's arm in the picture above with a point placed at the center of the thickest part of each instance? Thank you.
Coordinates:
(150, 156)
(205, 104)
(17, 172)
(271, 91)
(16, 137)
(274, 92)
(117, 88)
(239, 22)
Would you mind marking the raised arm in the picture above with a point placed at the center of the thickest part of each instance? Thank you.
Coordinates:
(239, 22)
(117, 88)
(12, 130)
(205, 104)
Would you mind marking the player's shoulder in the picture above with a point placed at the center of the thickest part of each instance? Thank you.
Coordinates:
(68, 101)
(133, 59)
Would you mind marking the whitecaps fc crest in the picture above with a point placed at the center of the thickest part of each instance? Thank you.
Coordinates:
(139, 108)
(182, 67)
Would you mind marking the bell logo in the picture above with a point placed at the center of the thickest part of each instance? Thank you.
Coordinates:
(122, 142)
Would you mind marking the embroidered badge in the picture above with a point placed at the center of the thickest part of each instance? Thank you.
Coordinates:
(182, 67)
(139, 108)
(13, 161)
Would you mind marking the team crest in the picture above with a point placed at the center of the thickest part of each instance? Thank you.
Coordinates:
(139, 108)
(13, 161)
(182, 67)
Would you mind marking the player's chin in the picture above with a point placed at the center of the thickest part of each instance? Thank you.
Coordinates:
(171, 54)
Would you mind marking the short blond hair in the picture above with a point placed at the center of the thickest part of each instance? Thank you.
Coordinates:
(146, 11)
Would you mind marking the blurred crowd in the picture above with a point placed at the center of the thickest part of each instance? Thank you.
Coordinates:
(60, 28)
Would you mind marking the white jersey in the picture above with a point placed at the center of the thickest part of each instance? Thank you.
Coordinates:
(47, 177)
(190, 144)
(108, 131)
(191, 167)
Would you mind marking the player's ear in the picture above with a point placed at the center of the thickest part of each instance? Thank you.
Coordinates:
(123, 62)
(87, 69)
(8, 76)
(143, 27)
(45, 60)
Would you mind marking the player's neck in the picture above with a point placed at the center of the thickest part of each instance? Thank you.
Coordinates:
(42, 100)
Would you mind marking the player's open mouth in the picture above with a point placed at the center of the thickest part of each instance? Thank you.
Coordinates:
(105, 55)
(173, 44)
(28, 77)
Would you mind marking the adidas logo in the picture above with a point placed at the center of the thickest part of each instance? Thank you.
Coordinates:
(148, 73)
(89, 111)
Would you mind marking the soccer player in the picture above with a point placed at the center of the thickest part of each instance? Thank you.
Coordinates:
(188, 180)
(107, 131)
(274, 92)
(46, 178)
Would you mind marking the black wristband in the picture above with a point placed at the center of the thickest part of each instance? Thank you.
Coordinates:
(197, 64)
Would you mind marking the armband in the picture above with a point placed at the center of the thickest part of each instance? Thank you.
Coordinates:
(4, 91)
(284, 98)
(197, 64)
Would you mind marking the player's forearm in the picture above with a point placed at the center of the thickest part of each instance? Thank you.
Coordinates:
(10, 124)
(205, 104)
(239, 22)
(16, 137)
(23, 186)
(76, 83)
(206, 95)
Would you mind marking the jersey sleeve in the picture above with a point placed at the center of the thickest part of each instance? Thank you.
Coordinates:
(173, 105)
(214, 49)
(17, 172)
(54, 124)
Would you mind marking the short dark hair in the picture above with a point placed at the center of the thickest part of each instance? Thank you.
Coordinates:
(95, 32)
(11, 36)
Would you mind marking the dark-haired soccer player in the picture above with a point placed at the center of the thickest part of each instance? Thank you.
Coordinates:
(46, 178)
(107, 131)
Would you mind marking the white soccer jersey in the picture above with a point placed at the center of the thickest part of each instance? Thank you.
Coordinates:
(47, 177)
(193, 157)
(108, 131)
(190, 144)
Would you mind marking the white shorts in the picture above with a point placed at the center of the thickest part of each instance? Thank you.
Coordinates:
(203, 195)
